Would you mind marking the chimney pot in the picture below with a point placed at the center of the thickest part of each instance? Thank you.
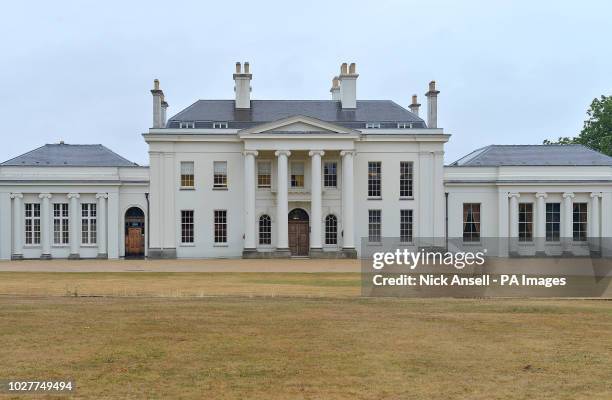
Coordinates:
(238, 67)
(246, 67)
(414, 106)
(344, 69)
(352, 68)
(156, 84)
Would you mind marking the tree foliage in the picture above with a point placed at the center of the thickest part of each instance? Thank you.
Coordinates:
(597, 130)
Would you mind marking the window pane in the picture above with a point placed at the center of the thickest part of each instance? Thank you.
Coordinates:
(405, 226)
(374, 179)
(220, 218)
(187, 173)
(331, 229)
(525, 222)
(553, 222)
(406, 179)
(471, 222)
(374, 225)
(265, 230)
(220, 174)
(264, 174)
(297, 174)
(187, 226)
(330, 175)
(579, 228)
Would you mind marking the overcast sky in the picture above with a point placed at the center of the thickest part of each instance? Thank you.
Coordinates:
(509, 72)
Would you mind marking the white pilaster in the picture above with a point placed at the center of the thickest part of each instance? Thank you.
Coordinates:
(282, 206)
(594, 220)
(249, 199)
(540, 215)
(567, 218)
(316, 199)
(514, 214)
(18, 217)
(74, 224)
(348, 199)
(101, 225)
(45, 225)
(114, 230)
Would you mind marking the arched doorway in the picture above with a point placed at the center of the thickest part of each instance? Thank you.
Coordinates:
(299, 232)
(134, 232)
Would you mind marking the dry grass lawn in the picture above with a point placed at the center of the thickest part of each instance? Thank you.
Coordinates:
(322, 343)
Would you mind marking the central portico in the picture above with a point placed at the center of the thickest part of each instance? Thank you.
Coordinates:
(298, 146)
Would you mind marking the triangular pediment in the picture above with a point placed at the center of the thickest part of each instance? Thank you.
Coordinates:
(298, 124)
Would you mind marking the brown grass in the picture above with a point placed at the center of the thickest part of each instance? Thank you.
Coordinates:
(300, 347)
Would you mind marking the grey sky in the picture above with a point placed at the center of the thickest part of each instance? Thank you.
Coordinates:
(509, 72)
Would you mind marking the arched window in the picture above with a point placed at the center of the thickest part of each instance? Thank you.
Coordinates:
(265, 229)
(331, 229)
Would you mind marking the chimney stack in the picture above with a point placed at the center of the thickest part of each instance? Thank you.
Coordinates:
(348, 86)
(432, 105)
(158, 96)
(335, 89)
(414, 107)
(242, 86)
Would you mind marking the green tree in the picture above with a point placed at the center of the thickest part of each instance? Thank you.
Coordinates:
(597, 130)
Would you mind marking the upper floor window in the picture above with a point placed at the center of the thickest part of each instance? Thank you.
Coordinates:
(330, 174)
(61, 226)
(187, 225)
(406, 179)
(88, 223)
(553, 222)
(579, 228)
(297, 174)
(374, 179)
(32, 223)
(373, 125)
(186, 125)
(264, 174)
(187, 175)
(525, 222)
(471, 222)
(404, 125)
(220, 175)
(220, 125)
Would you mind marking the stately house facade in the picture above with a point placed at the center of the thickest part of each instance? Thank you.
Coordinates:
(300, 178)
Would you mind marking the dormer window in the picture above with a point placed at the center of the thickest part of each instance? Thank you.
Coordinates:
(404, 125)
(220, 125)
(373, 125)
(186, 125)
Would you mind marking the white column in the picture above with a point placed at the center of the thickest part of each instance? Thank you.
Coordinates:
(101, 225)
(45, 225)
(316, 199)
(514, 214)
(540, 227)
(249, 199)
(594, 231)
(74, 224)
(567, 215)
(347, 199)
(282, 206)
(18, 221)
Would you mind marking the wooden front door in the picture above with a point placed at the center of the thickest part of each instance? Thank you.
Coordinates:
(299, 238)
(134, 245)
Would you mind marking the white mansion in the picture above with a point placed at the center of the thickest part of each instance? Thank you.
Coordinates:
(281, 178)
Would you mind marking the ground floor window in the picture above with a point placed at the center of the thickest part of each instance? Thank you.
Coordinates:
(331, 229)
(220, 226)
(265, 230)
(32, 223)
(61, 230)
(187, 235)
(406, 226)
(553, 222)
(471, 222)
(374, 225)
(88, 223)
(579, 228)
(525, 222)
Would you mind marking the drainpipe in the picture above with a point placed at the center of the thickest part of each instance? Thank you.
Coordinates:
(148, 218)
(446, 218)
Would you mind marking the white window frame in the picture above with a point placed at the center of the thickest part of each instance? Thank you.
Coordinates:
(404, 125)
(409, 180)
(187, 228)
(291, 174)
(185, 173)
(221, 224)
(336, 174)
(372, 125)
(328, 234)
(61, 224)
(409, 229)
(187, 125)
(264, 234)
(379, 195)
(371, 238)
(31, 214)
(89, 224)
(259, 163)
(219, 185)
(220, 125)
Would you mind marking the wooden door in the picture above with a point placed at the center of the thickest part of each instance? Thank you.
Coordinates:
(299, 238)
(134, 244)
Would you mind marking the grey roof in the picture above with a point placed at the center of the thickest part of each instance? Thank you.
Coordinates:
(261, 111)
(533, 155)
(82, 155)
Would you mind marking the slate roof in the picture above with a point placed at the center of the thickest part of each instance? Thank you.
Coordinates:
(204, 112)
(81, 155)
(533, 155)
